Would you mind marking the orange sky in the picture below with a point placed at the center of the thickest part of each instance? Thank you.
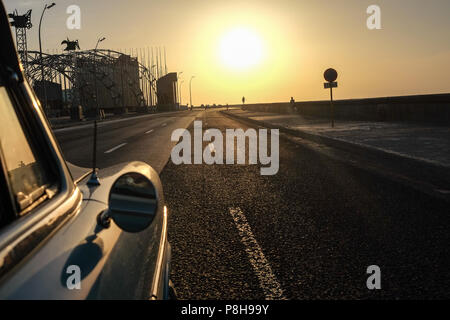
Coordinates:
(297, 40)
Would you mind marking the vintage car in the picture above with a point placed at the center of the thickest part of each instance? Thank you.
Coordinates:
(60, 236)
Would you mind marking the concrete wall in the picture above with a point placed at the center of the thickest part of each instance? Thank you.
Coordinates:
(423, 108)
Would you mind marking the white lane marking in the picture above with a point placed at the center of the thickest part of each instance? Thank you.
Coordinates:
(164, 124)
(149, 131)
(115, 148)
(267, 280)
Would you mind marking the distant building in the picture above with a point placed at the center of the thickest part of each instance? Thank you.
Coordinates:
(49, 92)
(116, 84)
(167, 91)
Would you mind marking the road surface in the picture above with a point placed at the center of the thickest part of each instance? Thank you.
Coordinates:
(309, 232)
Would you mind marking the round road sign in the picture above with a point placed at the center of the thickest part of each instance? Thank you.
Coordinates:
(330, 75)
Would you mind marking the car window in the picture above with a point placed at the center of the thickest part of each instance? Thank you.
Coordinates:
(26, 176)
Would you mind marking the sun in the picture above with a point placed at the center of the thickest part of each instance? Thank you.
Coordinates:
(240, 49)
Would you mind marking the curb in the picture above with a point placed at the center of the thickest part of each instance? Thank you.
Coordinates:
(439, 175)
(319, 138)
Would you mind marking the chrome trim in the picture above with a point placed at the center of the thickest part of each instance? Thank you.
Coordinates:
(25, 236)
(84, 176)
(160, 260)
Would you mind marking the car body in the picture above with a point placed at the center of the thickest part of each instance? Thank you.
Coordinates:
(56, 238)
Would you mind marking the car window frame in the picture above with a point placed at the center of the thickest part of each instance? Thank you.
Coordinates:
(26, 234)
(6, 197)
(37, 144)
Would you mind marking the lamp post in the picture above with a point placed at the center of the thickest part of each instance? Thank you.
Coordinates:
(190, 90)
(40, 51)
(98, 41)
(178, 86)
(95, 77)
(180, 92)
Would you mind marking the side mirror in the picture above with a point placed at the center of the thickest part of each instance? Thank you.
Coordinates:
(133, 202)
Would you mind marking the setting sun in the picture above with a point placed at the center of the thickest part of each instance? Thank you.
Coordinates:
(241, 49)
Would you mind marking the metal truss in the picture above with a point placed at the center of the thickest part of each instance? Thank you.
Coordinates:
(78, 70)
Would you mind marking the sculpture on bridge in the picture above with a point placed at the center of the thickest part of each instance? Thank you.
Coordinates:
(71, 45)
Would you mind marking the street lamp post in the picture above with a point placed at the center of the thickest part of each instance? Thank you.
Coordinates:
(40, 51)
(190, 90)
(95, 77)
(180, 92)
(98, 41)
(178, 87)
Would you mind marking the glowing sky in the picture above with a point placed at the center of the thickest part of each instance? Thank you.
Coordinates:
(296, 41)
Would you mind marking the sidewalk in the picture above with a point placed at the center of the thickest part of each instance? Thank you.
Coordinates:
(425, 143)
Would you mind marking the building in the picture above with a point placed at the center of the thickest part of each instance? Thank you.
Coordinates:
(50, 95)
(166, 88)
(116, 84)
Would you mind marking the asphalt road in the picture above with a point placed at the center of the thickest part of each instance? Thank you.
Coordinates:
(144, 138)
(309, 232)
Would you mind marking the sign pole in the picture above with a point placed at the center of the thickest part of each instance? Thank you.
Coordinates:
(330, 76)
(332, 107)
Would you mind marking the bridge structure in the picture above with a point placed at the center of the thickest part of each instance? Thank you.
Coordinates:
(111, 80)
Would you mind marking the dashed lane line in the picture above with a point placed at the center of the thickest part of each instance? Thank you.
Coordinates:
(267, 279)
(115, 148)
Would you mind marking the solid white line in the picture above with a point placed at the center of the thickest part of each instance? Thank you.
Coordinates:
(115, 148)
(149, 131)
(267, 280)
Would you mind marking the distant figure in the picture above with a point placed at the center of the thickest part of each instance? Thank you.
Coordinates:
(243, 100)
(227, 106)
(292, 102)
